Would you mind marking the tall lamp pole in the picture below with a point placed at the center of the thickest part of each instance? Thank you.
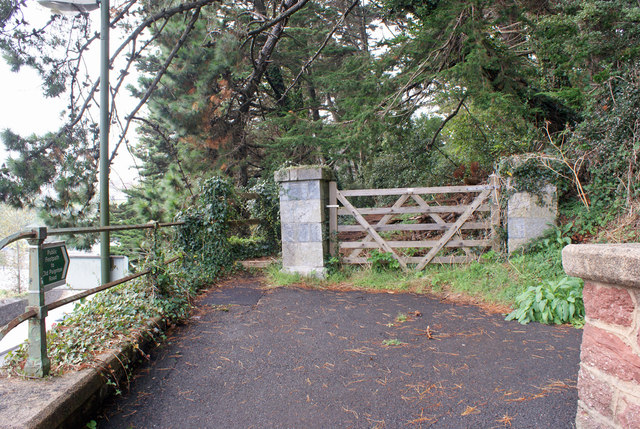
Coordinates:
(73, 6)
(105, 259)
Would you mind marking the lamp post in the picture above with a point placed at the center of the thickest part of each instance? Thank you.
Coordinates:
(60, 6)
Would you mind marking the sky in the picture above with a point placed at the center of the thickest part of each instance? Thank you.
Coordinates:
(24, 110)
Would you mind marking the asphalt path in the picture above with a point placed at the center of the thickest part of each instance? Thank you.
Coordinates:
(298, 358)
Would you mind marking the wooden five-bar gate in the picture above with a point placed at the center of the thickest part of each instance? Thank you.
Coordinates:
(449, 224)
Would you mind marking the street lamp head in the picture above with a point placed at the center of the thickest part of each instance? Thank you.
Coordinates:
(73, 6)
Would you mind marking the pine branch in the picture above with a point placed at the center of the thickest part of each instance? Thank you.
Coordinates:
(157, 78)
(173, 152)
(440, 55)
(447, 119)
(290, 10)
(163, 14)
(477, 123)
(260, 66)
(324, 45)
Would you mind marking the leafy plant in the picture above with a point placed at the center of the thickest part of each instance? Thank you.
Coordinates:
(109, 318)
(204, 236)
(401, 317)
(554, 238)
(489, 256)
(251, 247)
(267, 208)
(392, 342)
(333, 264)
(382, 261)
(551, 302)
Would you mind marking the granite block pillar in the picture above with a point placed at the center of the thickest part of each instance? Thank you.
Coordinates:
(529, 216)
(304, 193)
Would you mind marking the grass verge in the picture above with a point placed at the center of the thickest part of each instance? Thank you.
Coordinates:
(494, 281)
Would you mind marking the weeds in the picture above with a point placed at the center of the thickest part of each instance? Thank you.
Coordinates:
(277, 277)
(392, 342)
(551, 302)
(4, 293)
(496, 279)
(383, 261)
(401, 317)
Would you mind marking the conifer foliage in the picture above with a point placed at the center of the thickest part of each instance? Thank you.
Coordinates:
(387, 92)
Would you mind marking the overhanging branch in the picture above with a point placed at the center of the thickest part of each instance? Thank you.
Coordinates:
(324, 44)
(287, 13)
(447, 119)
(157, 78)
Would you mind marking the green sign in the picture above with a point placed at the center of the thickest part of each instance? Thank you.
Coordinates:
(55, 264)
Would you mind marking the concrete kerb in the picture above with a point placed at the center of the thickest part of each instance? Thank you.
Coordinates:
(73, 398)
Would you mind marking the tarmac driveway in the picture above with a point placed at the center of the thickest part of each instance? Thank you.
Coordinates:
(296, 358)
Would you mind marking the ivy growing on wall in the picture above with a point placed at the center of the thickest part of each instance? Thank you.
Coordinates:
(204, 236)
(266, 207)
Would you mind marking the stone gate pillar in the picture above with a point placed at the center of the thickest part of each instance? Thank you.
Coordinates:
(304, 195)
(529, 216)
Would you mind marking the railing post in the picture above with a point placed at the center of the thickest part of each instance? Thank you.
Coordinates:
(494, 180)
(38, 364)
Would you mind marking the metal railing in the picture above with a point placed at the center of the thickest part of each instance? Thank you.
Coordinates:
(38, 364)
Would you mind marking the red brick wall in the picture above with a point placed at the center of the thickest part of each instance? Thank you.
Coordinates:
(609, 377)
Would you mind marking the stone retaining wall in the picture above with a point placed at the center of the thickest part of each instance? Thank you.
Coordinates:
(609, 377)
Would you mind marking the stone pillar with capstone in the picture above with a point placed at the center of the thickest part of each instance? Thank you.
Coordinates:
(529, 215)
(304, 193)
(609, 377)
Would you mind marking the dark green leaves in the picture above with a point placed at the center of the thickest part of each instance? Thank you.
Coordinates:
(204, 236)
(551, 302)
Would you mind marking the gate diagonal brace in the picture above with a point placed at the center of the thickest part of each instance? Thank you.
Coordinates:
(454, 229)
(383, 221)
(436, 217)
(372, 232)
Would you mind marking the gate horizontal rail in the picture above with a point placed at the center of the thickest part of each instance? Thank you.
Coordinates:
(413, 244)
(416, 260)
(481, 214)
(415, 191)
(415, 227)
(411, 210)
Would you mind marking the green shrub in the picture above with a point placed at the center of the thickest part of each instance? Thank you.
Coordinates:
(266, 208)
(382, 261)
(204, 236)
(551, 302)
(248, 248)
